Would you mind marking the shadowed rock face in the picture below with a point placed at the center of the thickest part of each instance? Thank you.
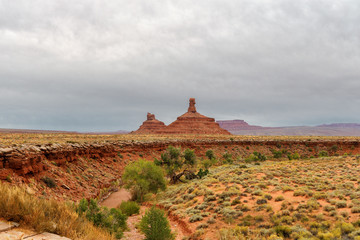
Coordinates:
(150, 126)
(190, 122)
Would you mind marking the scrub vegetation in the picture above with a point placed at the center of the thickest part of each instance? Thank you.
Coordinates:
(314, 198)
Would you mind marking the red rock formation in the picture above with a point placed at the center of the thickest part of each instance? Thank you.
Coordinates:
(30, 162)
(150, 126)
(193, 122)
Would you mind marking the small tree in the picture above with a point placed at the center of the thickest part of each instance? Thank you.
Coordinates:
(177, 164)
(143, 177)
(210, 154)
(155, 225)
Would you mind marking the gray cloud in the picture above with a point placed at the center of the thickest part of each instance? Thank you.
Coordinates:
(95, 65)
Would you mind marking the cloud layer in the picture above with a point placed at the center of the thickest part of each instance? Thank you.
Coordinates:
(101, 65)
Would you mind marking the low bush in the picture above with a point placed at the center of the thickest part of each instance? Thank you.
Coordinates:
(129, 208)
(283, 231)
(329, 208)
(279, 198)
(261, 201)
(355, 210)
(255, 157)
(323, 153)
(195, 218)
(293, 156)
(110, 219)
(340, 204)
(50, 182)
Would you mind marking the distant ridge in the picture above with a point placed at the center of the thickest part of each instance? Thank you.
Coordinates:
(10, 130)
(234, 125)
(341, 125)
(240, 127)
(107, 133)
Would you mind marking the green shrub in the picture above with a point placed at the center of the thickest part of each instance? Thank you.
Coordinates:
(323, 153)
(155, 225)
(195, 218)
(299, 192)
(228, 158)
(293, 156)
(50, 182)
(129, 208)
(255, 157)
(329, 208)
(279, 198)
(235, 202)
(211, 220)
(345, 227)
(202, 225)
(340, 204)
(268, 196)
(355, 210)
(202, 173)
(210, 154)
(209, 198)
(112, 220)
(283, 231)
(277, 154)
(261, 201)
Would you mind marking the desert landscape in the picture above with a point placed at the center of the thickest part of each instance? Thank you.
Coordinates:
(180, 120)
(189, 180)
(255, 188)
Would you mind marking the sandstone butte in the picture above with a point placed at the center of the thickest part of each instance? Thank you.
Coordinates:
(151, 125)
(190, 122)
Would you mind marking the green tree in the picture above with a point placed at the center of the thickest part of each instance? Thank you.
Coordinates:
(177, 164)
(143, 177)
(155, 225)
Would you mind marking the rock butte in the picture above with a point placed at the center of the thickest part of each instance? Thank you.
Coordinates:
(190, 122)
(151, 125)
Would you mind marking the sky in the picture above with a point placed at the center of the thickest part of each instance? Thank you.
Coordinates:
(93, 65)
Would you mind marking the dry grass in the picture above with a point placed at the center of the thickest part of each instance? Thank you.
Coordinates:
(9, 139)
(46, 215)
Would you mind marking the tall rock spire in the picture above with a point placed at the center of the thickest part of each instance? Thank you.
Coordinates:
(192, 107)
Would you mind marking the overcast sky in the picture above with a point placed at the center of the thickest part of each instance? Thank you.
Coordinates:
(91, 65)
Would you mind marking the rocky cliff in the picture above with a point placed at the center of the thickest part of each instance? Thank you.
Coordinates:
(83, 169)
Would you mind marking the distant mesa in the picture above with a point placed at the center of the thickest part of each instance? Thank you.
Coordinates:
(240, 127)
(341, 125)
(235, 125)
(190, 122)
